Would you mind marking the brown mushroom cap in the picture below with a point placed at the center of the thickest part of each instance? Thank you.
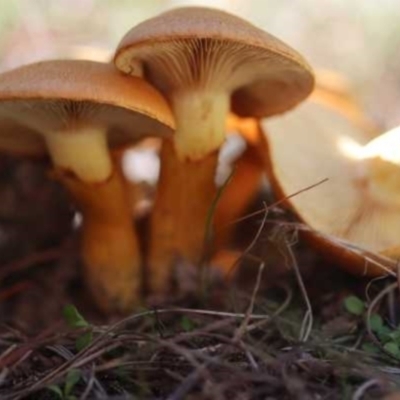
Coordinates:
(314, 143)
(61, 95)
(194, 47)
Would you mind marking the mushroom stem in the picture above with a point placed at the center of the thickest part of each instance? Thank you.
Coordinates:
(84, 153)
(186, 188)
(185, 193)
(243, 186)
(110, 248)
(200, 118)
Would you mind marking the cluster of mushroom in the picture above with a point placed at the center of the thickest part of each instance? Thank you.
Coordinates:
(178, 77)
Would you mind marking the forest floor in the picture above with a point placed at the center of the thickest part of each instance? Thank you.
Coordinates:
(292, 326)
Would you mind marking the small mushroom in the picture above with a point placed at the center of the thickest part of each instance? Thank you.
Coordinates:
(354, 216)
(75, 111)
(206, 62)
(245, 180)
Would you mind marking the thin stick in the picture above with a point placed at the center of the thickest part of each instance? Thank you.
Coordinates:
(276, 313)
(360, 392)
(278, 202)
(208, 235)
(89, 386)
(306, 326)
(370, 309)
(188, 384)
(242, 328)
(247, 250)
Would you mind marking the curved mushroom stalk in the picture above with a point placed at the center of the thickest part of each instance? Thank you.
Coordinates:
(110, 249)
(245, 182)
(185, 194)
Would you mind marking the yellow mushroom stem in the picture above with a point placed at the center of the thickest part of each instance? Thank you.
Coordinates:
(185, 193)
(83, 151)
(200, 122)
(110, 248)
(244, 184)
(186, 188)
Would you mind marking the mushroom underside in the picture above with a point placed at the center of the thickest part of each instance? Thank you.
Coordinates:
(344, 206)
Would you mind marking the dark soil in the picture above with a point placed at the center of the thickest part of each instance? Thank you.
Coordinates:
(243, 341)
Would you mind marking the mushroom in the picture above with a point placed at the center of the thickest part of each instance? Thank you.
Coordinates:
(354, 216)
(74, 111)
(245, 181)
(205, 62)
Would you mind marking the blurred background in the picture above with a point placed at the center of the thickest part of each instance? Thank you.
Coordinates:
(359, 38)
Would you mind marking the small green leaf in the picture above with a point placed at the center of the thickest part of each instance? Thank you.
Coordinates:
(384, 334)
(354, 305)
(73, 318)
(56, 389)
(376, 323)
(370, 348)
(84, 341)
(73, 377)
(395, 335)
(392, 348)
(187, 324)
